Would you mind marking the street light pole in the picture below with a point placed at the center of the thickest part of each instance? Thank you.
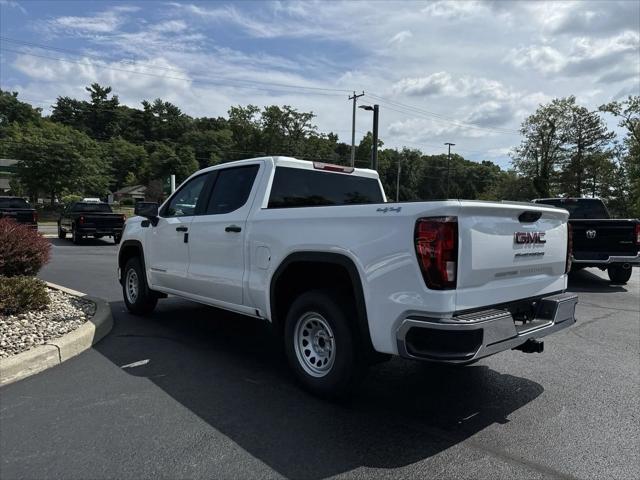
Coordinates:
(376, 110)
(374, 150)
(449, 144)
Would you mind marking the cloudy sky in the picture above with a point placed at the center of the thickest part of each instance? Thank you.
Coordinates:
(464, 72)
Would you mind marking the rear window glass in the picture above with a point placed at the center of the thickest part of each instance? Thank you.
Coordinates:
(13, 203)
(91, 207)
(579, 208)
(296, 187)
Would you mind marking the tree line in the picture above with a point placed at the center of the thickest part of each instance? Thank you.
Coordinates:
(91, 147)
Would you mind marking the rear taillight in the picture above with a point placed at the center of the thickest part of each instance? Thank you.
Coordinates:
(124, 218)
(637, 233)
(81, 220)
(35, 217)
(569, 247)
(436, 240)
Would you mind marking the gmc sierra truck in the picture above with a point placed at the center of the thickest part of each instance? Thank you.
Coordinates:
(345, 278)
(598, 240)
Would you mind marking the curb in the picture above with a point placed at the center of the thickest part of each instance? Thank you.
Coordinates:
(58, 350)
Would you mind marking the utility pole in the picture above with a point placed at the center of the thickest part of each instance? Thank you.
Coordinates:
(398, 180)
(353, 128)
(449, 144)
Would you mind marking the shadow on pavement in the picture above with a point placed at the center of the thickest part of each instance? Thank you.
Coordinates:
(226, 369)
(586, 281)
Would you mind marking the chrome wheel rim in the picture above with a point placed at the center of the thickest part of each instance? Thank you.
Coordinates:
(131, 286)
(314, 344)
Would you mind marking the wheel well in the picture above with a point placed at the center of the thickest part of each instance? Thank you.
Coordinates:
(128, 250)
(303, 272)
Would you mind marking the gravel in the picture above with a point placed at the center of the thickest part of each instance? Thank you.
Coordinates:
(64, 314)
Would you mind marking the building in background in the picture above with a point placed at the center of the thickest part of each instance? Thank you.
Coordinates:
(135, 193)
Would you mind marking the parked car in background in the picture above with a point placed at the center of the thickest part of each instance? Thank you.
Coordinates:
(599, 240)
(90, 219)
(18, 209)
(345, 278)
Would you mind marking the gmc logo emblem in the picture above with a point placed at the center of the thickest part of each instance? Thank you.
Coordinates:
(529, 237)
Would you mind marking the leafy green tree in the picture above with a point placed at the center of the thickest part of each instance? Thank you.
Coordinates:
(13, 110)
(125, 159)
(543, 147)
(56, 159)
(209, 146)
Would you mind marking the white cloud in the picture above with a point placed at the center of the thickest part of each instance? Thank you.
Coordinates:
(103, 22)
(400, 37)
(447, 84)
(13, 4)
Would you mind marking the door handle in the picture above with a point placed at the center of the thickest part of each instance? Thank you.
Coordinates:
(232, 228)
(181, 229)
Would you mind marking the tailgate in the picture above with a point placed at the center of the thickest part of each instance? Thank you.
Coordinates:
(107, 220)
(19, 215)
(504, 256)
(599, 239)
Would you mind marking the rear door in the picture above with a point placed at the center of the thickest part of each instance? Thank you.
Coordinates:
(509, 252)
(217, 238)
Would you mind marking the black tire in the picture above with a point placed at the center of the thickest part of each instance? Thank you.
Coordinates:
(619, 275)
(341, 369)
(116, 239)
(145, 300)
(75, 237)
(61, 233)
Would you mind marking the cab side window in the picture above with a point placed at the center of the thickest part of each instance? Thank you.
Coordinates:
(185, 201)
(231, 190)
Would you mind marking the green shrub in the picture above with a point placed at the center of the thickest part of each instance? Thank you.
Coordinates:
(128, 202)
(23, 251)
(22, 294)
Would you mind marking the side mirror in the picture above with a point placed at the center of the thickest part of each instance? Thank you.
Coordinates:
(146, 209)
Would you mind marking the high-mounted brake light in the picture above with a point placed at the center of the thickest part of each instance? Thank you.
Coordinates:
(332, 168)
(569, 248)
(436, 240)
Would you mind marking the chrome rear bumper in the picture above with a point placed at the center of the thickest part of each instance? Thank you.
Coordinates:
(469, 337)
(613, 259)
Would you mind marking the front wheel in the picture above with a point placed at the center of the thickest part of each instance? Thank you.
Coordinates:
(321, 344)
(137, 296)
(618, 274)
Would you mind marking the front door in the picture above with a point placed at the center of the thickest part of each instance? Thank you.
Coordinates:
(217, 238)
(167, 247)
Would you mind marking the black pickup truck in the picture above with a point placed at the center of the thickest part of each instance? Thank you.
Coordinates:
(19, 210)
(90, 219)
(599, 240)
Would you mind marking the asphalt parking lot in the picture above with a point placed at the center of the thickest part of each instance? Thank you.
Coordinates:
(194, 392)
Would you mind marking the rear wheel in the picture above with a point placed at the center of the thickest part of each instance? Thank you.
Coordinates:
(61, 233)
(75, 236)
(618, 274)
(321, 345)
(137, 296)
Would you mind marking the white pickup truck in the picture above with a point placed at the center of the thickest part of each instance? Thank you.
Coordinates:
(345, 278)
